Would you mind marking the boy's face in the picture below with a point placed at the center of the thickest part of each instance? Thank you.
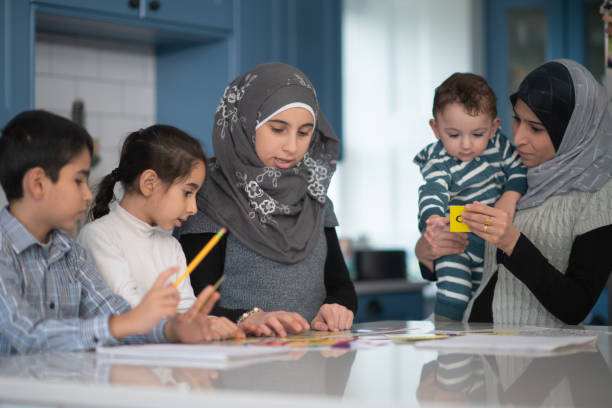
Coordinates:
(66, 200)
(463, 136)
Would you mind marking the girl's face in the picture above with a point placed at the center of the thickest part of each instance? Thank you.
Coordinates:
(283, 140)
(463, 136)
(174, 204)
(530, 136)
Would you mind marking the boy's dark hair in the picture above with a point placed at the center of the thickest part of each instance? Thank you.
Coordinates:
(38, 138)
(169, 151)
(470, 90)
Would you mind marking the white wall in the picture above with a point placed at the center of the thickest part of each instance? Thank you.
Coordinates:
(395, 53)
(115, 80)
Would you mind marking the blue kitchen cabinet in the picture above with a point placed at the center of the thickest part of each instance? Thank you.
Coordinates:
(200, 46)
(110, 7)
(16, 59)
(187, 13)
(204, 13)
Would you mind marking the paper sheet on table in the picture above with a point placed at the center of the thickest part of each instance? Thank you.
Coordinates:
(507, 343)
(188, 355)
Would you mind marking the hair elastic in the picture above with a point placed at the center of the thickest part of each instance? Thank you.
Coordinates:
(115, 173)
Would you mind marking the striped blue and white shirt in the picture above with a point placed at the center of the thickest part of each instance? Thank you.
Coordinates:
(450, 181)
(52, 297)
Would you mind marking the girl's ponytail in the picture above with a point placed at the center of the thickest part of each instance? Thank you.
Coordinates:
(104, 196)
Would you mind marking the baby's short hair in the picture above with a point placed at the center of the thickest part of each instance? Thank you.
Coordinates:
(38, 138)
(470, 90)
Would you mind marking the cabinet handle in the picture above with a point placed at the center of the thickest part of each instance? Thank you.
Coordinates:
(154, 5)
(134, 3)
(374, 307)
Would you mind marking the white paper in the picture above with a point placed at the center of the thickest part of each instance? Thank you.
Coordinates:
(188, 355)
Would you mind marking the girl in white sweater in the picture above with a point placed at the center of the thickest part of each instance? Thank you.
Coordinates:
(161, 169)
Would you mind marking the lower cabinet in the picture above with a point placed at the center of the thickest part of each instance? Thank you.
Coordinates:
(390, 299)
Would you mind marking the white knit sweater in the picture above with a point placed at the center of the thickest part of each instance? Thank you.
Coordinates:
(130, 254)
(552, 227)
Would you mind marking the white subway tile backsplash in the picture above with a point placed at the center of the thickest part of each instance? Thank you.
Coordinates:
(43, 57)
(138, 100)
(116, 82)
(54, 93)
(100, 97)
(126, 64)
(113, 130)
(92, 124)
(74, 60)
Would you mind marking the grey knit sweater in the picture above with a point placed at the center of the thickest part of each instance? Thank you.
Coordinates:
(552, 227)
(252, 280)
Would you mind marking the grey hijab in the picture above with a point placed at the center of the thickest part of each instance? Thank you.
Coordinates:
(277, 213)
(583, 160)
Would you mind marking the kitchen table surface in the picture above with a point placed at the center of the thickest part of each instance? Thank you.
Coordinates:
(389, 376)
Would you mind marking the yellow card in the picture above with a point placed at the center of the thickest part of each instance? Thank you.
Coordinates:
(455, 219)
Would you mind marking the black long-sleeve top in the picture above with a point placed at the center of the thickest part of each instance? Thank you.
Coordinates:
(340, 288)
(569, 296)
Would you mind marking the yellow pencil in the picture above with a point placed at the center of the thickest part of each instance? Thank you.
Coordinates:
(201, 304)
(196, 261)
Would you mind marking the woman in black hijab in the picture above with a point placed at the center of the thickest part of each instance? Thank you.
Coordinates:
(549, 265)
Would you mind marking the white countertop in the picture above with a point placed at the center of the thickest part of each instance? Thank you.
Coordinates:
(394, 375)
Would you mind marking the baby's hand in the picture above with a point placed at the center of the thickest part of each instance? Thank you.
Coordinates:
(159, 302)
(435, 224)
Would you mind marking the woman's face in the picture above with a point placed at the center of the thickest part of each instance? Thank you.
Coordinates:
(283, 140)
(530, 136)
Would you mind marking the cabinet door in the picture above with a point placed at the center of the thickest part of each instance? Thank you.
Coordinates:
(197, 13)
(16, 65)
(390, 306)
(124, 8)
(522, 34)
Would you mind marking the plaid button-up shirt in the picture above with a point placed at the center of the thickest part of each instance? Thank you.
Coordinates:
(53, 298)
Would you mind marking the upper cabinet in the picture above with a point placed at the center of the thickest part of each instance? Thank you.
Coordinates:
(209, 13)
(128, 8)
(200, 45)
(191, 13)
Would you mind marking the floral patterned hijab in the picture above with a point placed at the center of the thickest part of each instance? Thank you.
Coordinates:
(277, 213)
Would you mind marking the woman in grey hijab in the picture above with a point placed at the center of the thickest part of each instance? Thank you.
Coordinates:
(549, 265)
(275, 154)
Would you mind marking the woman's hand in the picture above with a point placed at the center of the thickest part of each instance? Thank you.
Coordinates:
(332, 317)
(274, 323)
(437, 241)
(492, 225)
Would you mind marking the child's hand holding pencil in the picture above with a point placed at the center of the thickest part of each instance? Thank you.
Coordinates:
(195, 325)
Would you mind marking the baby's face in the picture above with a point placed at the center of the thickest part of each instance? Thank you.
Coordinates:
(463, 136)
